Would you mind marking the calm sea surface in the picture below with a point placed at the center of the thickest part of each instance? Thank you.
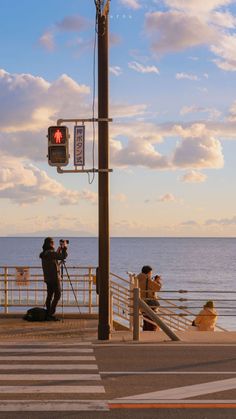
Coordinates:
(185, 263)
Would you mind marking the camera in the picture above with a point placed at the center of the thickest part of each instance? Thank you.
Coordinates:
(64, 243)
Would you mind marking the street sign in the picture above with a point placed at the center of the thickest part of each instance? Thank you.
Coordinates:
(79, 145)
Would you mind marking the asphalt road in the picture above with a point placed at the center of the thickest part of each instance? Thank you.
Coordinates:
(149, 375)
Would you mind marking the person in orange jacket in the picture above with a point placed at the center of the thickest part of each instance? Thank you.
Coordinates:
(148, 288)
(206, 319)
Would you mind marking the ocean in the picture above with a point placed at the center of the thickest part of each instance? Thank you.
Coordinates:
(193, 264)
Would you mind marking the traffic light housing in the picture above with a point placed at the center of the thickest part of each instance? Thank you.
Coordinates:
(58, 146)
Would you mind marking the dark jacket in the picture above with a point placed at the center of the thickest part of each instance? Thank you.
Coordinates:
(50, 265)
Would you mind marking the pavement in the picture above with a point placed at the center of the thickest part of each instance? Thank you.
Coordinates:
(60, 370)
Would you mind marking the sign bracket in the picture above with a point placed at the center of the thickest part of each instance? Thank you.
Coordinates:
(60, 170)
(83, 120)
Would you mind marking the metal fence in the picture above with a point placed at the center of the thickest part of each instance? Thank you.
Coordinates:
(22, 287)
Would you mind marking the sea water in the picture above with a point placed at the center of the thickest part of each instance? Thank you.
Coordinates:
(193, 264)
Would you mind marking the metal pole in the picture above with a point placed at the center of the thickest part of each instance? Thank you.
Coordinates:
(103, 177)
(6, 290)
(136, 325)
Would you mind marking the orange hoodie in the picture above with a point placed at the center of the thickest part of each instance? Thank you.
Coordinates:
(206, 319)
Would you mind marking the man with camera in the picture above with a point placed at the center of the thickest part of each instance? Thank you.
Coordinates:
(51, 271)
(148, 288)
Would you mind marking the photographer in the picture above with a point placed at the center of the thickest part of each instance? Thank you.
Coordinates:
(51, 272)
(148, 288)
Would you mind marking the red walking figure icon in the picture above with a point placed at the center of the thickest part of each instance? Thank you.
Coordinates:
(58, 136)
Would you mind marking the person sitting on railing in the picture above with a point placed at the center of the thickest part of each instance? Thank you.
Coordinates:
(206, 319)
(148, 288)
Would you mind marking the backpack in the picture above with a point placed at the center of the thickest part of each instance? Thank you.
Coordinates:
(36, 314)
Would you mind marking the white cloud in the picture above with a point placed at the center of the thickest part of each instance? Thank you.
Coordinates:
(203, 89)
(194, 58)
(58, 224)
(136, 144)
(74, 23)
(175, 31)
(127, 111)
(225, 49)
(232, 113)
(198, 149)
(115, 70)
(191, 23)
(47, 40)
(200, 6)
(221, 221)
(168, 197)
(25, 183)
(140, 68)
(180, 76)
(190, 223)
(192, 176)
(120, 197)
(30, 103)
(132, 4)
(224, 20)
(212, 112)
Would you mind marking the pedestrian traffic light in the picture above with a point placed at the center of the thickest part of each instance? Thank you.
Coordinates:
(58, 146)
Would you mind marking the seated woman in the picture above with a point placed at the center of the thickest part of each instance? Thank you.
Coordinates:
(206, 319)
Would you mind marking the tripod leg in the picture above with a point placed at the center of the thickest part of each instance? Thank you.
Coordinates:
(71, 285)
(62, 292)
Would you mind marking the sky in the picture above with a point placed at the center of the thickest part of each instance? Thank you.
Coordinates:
(173, 104)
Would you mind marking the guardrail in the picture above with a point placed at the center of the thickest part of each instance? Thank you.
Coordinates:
(22, 287)
(177, 311)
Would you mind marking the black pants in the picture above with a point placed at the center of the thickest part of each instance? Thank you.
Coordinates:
(53, 296)
(147, 326)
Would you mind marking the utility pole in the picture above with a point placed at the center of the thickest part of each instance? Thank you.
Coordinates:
(103, 165)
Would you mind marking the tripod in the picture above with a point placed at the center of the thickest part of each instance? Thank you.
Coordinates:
(63, 266)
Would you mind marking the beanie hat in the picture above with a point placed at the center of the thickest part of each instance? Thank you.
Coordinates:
(209, 304)
(47, 243)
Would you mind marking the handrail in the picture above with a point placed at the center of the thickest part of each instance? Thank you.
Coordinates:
(158, 321)
(83, 279)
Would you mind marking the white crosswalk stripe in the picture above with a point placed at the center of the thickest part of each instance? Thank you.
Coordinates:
(65, 367)
(46, 369)
(48, 350)
(47, 358)
(52, 405)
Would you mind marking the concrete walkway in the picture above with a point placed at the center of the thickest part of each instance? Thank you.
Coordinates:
(16, 328)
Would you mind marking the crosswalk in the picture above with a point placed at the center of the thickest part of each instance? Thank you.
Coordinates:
(50, 376)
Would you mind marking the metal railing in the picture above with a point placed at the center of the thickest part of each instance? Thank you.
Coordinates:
(177, 311)
(177, 307)
(19, 292)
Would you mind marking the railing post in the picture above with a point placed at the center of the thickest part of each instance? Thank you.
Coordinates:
(131, 295)
(90, 290)
(111, 310)
(136, 322)
(6, 290)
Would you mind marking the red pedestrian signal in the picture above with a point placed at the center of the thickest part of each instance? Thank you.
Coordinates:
(58, 146)
(58, 136)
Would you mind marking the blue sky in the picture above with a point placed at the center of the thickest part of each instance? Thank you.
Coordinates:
(172, 98)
